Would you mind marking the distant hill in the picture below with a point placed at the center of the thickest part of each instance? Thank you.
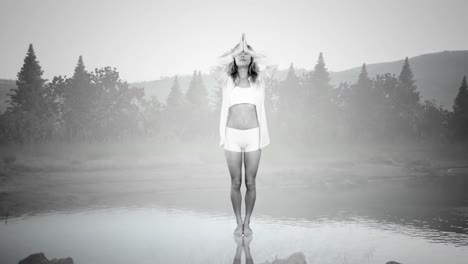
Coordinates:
(438, 76)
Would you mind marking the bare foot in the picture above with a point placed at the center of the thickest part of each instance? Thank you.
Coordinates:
(247, 230)
(238, 230)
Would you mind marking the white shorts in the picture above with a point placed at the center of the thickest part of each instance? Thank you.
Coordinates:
(242, 139)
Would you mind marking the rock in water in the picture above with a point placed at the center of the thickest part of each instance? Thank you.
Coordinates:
(39, 258)
(62, 261)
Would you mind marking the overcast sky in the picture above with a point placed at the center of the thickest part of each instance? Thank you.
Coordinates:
(147, 39)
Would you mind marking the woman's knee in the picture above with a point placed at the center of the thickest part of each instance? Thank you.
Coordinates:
(236, 183)
(250, 184)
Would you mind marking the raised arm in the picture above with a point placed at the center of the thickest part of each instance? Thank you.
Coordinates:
(219, 68)
(265, 66)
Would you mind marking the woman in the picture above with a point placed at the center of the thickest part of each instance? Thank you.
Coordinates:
(243, 74)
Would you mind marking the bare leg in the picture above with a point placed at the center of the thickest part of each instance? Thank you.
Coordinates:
(251, 161)
(234, 161)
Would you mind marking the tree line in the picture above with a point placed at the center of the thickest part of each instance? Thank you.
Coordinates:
(386, 108)
(98, 106)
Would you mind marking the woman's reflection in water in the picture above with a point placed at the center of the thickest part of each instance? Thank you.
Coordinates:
(248, 257)
(243, 244)
(239, 242)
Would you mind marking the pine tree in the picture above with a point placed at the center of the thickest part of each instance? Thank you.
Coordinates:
(320, 78)
(461, 100)
(459, 120)
(196, 94)
(319, 91)
(78, 98)
(364, 83)
(197, 113)
(290, 98)
(320, 97)
(359, 104)
(406, 90)
(406, 101)
(29, 95)
(175, 114)
(291, 107)
(29, 111)
(175, 98)
(191, 94)
(80, 93)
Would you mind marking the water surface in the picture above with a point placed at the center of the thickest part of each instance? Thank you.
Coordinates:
(167, 235)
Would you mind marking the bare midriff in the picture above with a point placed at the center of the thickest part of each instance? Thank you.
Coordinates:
(242, 116)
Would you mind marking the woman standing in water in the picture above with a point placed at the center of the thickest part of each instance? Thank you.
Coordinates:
(244, 75)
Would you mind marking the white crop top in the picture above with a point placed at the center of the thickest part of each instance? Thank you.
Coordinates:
(241, 95)
(232, 94)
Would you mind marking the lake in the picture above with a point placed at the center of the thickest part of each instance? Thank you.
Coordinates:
(156, 234)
